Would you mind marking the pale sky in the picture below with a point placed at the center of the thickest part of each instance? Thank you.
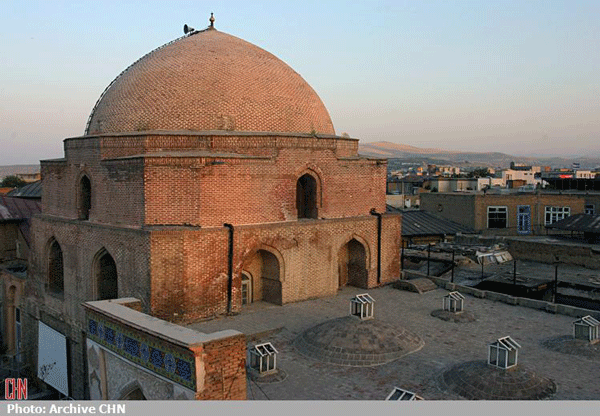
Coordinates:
(520, 77)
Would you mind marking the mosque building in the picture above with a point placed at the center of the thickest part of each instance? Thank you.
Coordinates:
(209, 176)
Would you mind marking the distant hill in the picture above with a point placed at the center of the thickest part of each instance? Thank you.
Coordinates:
(489, 159)
(9, 170)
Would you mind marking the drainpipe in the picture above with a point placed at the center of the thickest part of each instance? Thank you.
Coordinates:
(229, 268)
(374, 212)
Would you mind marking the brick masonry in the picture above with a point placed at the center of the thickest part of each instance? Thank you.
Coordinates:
(160, 216)
(170, 165)
(189, 267)
(221, 83)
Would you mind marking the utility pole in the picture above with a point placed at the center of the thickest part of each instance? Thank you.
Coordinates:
(428, 257)
(452, 276)
(555, 282)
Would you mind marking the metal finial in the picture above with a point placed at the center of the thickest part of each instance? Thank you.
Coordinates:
(212, 21)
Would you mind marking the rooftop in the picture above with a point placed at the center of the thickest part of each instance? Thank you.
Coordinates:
(446, 345)
(579, 222)
(421, 223)
(31, 190)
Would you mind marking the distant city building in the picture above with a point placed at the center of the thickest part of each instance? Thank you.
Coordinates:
(503, 214)
(29, 177)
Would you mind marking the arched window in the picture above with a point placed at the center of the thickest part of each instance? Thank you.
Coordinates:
(85, 198)
(306, 197)
(56, 281)
(106, 276)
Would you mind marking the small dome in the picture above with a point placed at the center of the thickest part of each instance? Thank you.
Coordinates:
(353, 342)
(209, 80)
(477, 380)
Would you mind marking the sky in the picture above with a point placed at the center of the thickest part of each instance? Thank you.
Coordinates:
(519, 77)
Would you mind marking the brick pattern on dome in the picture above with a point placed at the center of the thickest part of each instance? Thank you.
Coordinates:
(352, 342)
(210, 81)
(477, 380)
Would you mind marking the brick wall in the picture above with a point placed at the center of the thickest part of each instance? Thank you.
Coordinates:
(472, 209)
(148, 202)
(459, 208)
(80, 241)
(593, 199)
(117, 186)
(537, 202)
(548, 251)
(164, 361)
(241, 191)
(257, 186)
(9, 232)
(224, 363)
(189, 267)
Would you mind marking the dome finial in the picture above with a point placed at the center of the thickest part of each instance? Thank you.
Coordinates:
(212, 21)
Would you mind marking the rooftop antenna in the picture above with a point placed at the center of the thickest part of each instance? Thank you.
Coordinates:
(212, 21)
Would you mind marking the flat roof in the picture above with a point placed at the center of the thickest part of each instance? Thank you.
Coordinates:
(446, 345)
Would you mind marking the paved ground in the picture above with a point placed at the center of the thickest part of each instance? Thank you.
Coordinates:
(446, 344)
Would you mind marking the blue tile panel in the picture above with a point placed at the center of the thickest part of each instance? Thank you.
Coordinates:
(176, 364)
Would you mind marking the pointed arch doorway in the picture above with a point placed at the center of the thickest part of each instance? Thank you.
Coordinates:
(352, 264)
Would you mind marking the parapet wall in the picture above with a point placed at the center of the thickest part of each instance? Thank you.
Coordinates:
(512, 300)
(134, 355)
(551, 251)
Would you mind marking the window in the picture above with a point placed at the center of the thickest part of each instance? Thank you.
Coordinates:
(554, 214)
(306, 197)
(56, 283)
(106, 276)
(589, 209)
(497, 217)
(85, 198)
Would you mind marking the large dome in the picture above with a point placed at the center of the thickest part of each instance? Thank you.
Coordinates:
(209, 80)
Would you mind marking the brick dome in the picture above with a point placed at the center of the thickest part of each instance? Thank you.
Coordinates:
(209, 80)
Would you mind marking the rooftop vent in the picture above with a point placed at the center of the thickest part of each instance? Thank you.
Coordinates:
(586, 328)
(503, 353)
(402, 395)
(453, 302)
(362, 306)
(263, 358)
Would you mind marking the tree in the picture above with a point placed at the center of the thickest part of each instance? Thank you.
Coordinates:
(479, 173)
(12, 181)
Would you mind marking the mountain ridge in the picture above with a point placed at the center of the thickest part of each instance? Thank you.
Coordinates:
(392, 150)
